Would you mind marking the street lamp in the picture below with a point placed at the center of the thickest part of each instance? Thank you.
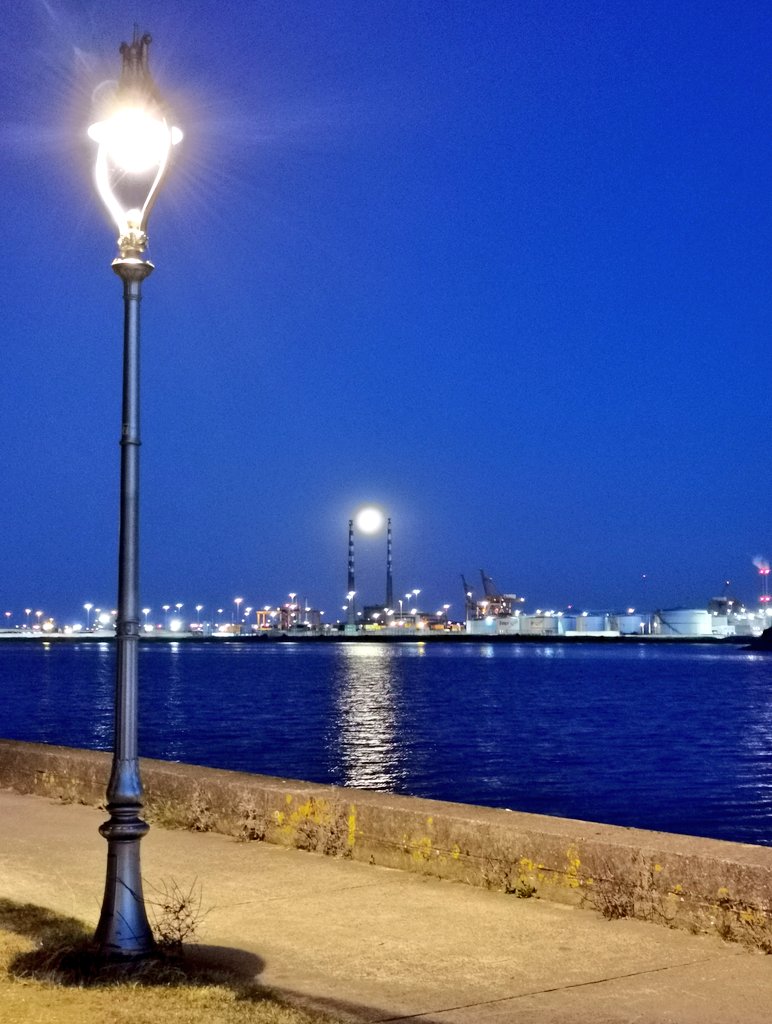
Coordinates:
(134, 149)
(88, 606)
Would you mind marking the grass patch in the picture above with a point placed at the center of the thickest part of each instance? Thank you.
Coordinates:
(49, 972)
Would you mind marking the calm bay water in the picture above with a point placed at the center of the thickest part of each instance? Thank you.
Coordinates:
(663, 737)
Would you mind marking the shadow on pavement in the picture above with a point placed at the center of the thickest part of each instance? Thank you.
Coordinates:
(350, 1012)
(65, 955)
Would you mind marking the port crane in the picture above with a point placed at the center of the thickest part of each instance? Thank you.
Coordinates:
(469, 603)
(493, 603)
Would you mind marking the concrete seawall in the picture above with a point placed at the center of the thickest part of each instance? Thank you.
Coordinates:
(702, 885)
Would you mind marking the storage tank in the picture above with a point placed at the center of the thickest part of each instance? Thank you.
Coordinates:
(685, 622)
(721, 625)
(586, 623)
(508, 625)
(631, 624)
(481, 627)
(539, 625)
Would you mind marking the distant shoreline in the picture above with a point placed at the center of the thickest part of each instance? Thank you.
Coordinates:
(412, 638)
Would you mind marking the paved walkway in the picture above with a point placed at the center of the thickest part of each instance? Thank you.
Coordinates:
(372, 944)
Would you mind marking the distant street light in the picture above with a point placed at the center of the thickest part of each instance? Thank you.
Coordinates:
(88, 606)
(134, 149)
(237, 601)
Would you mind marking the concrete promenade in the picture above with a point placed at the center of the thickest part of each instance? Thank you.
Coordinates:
(376, 944)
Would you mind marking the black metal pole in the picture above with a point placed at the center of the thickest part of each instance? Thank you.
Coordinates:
(123, 928)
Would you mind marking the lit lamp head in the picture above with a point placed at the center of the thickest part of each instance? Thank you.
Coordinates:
(135, 143)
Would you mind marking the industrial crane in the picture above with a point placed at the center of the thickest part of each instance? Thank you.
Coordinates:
(469, 603)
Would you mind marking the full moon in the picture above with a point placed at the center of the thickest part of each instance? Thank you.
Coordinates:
(369, 519)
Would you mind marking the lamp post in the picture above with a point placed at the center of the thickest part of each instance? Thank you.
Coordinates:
(134, 148)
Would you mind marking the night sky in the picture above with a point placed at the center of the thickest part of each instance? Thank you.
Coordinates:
(501, 267)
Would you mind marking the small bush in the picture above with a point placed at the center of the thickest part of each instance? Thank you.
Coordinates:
(176, 913)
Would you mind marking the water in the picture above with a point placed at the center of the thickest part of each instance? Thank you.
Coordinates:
(672, 738)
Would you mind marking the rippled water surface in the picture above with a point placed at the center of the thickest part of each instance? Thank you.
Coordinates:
(672, 738)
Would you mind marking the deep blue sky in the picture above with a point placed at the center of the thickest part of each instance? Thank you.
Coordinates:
(502, 267)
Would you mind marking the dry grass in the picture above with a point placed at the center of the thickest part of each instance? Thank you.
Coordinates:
(49, 975)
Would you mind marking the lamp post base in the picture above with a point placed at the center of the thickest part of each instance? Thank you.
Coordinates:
(123, 930)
